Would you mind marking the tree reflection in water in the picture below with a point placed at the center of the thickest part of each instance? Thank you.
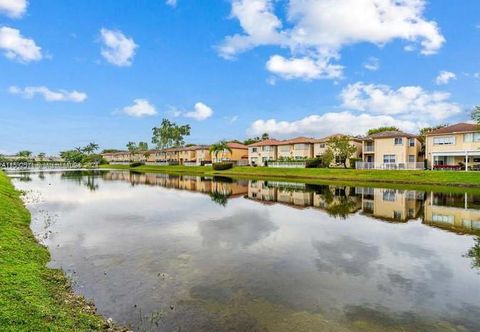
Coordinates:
(474, 254)
(220, 198)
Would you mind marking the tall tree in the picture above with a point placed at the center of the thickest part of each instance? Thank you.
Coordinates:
(476, 114)
(220, 148)
(41, 156)
(143, 146)
(341, 147)
(252, 140)
(24, 154)
(90, 148)
(381, 130)
(169, 134)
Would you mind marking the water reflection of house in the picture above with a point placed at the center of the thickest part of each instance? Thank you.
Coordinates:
(456, 212)
(200, 184)
(333, 199)
(391, 204)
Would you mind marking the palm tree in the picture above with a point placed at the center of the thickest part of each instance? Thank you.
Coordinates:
(90, 148)
(220, 147)
(41, 156)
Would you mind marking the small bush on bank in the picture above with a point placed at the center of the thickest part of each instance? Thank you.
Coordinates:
(222, 166)
(314, 163)
(353, 162)
(136, 164)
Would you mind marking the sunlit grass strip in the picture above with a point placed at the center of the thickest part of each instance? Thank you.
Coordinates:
(32, 296)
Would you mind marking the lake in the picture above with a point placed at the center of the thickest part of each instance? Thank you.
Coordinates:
(160, 252)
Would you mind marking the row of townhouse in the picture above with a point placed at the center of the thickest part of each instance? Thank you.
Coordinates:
(298, 148)
(191, 155)
(452, 147)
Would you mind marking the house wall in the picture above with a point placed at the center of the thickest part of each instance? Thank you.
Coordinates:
(235, 155)
(292, 151)
(387, 146)
(460, 146)
(267, 152)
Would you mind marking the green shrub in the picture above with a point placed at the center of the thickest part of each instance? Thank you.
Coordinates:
(222, 166)
(353, 162)
(314, 163)
(137, 163)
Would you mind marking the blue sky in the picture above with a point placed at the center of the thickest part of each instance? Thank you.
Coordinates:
(72, 72)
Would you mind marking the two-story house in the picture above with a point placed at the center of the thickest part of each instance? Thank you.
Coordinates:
(391, 150)
(261, 152)
(454, 147)
(321, 145)
(238, 154)
(296, 148)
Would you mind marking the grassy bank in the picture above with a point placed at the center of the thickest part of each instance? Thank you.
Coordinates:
(32, 296)
(440, 178)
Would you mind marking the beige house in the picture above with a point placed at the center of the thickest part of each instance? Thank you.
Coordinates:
(390, 204)
(321, 145)
(454, 147)
(391, 150)
(261, 152)
(295, 148)
(239, 154)
(456, 212)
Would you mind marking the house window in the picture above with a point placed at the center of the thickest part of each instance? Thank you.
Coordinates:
(443, 219)
(389, 195)
(411, 141)
(446, 140)
(267, 148)
(322, 146)
(301, 146)
(254, 150)
(471, 137)
(285, 148)
(389, 159)
(398, 140)
(411, 158)
(397, 215)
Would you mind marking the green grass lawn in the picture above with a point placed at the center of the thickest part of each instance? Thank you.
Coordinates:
(32, 296)
(441, 178)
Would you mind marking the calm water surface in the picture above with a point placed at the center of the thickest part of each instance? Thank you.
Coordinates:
(169, 253)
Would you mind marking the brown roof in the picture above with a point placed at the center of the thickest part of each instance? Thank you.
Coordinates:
(456, 128)
(265, 142)
(297, 140)
(390, 134)
(235, 145)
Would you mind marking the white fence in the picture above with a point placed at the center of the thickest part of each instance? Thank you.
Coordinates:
(286, 164)
(390, 166)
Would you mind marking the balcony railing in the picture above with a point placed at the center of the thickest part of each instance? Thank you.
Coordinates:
(391, 166)
(369, 148)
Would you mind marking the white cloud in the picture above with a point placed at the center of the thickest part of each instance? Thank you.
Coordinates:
(330, 123)
(140, 108)
(444, 77)
(13, 8)
(49, 95)
(304, 68)
(171, 3)
(17, 47)
(117, 49)
(408, 102)
(317, 30)
(372, 64)
(201, 112)
(476, 75)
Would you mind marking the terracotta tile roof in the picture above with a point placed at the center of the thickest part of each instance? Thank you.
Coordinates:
(456, 128)
(297, 140)
(265, 143)
(235, 145)
(390, 134)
